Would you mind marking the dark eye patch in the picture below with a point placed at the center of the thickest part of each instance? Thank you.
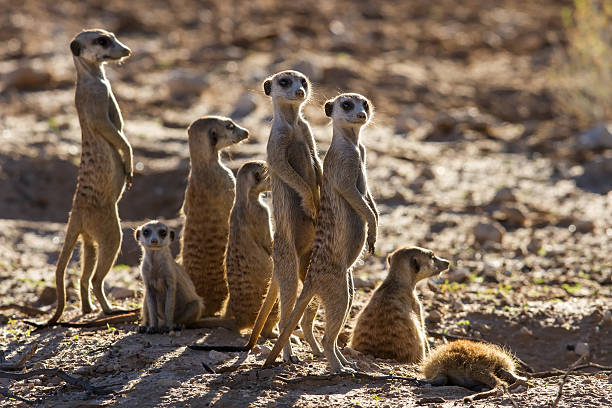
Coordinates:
(229, 126)
(366, 106)
(304, 83)
(163, 233)
(146, 232)
(284, 82)
(347, 105)
(103, 41)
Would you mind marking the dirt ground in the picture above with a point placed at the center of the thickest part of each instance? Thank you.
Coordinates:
(468, 155)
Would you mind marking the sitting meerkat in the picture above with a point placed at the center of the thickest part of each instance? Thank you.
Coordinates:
(346, 222)
(472, 365)
(392, 324)
(105, 169)
(170, 297)
(249, 253)
(209, 197)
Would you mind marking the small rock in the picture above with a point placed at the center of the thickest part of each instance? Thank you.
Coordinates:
(28, 79)
(181, 83)
(510, 214)
(584, 226)
(217, 356)
(525, 332)
(504, 195)
(168, 382)
(244, 106)
(581, 348)
(444, 122)
(47, 296)
(596, 175)
(458, 275)
(266, 373)
(488, 232)
(599, 137)
(534, 245)
(435, 316)
(607, 317)
(118, 292)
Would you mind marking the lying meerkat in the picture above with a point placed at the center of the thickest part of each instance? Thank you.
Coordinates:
(249, 253)
(106, 167)
(346, 208)
(392, 324)
(170, 296)
(295, 179)
(209, 198)
(472, 365)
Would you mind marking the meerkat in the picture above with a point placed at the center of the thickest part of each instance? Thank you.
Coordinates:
(392, 324)
(473, 365)
(209, 197)
(249, 253)
(170, 296)
(295, 179)
(106, 167)
(347, 208)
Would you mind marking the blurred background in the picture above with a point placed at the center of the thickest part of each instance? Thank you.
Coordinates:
(491, 142)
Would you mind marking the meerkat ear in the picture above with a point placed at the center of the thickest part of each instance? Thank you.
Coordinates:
(415, 265)
(268, 87)
(172, 235)
(75, 47)
(137, 234)
(388, 260)
(329, 108)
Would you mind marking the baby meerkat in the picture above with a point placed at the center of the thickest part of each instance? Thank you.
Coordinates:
(106, 167)
(472, 365)
(347, 208)
(209, 198)
(170, 297)
(392, 324)
(249, 253)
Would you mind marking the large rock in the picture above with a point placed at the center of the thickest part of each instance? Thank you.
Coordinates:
(489, 232)
(28, 79)
(599, 137)
(244, 106)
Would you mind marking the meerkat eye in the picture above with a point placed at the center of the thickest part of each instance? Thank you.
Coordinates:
(163, 233)
(431, 255)
(146, 232)
(304, 83)
(257, 177)
(347, 105)
(103, 41)
(229, 126)
(366, 106)
(284, 82)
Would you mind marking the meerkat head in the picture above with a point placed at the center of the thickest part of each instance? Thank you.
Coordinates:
(416, 263)
(154, 235)
(209, 134)
(288, 86)
(254, 176)
(349, 110)
(98, 46)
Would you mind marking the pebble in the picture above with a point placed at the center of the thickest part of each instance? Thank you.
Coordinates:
(244, 106)
(435, 316)
(581, 348)
(599, 137)
(47, 296)
(217, 356)
(28, 79)
(503, 195)
(488, 232)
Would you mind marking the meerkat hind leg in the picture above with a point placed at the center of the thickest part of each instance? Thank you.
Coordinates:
(307, 324)
(335, 302)
(286, 268)
(268, 330)
(89, 258)
(108, 236)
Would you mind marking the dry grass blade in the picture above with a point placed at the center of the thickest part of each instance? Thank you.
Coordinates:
(29, 310)
(330, 377)
(10, 395)
(24, 359)
(571, 368)
(129, 317)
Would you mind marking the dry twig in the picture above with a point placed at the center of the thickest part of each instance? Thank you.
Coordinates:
(10, 395)
(129, 317)
(330, 377)
(571, 368)
(29, 310)
(24, 359)
(59, 373)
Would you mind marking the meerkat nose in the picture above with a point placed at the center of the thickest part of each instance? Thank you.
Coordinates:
(154, 241)
(361, 115)
(300, 93)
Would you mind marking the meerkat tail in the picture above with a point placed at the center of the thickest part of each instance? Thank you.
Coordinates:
(300, 306)
(72, 235)
(212, 322)
(264, 312)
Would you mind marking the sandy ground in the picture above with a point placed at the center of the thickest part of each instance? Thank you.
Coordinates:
(466, 132)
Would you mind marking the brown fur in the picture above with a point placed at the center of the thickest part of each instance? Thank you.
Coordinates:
(249, 253)
(170, 297)
(106, 166)
(209, 198)
(472, 365)
(392, 324)
(346, 208)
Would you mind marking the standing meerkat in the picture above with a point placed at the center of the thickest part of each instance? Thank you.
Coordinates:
(295, 180)
(209, 198)
(473, 365)
(170, 297)
(249, 253)
(346, 208)
(392, 324)
(106, 167)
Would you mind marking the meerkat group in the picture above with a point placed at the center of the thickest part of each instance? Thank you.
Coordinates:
(325, 219)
